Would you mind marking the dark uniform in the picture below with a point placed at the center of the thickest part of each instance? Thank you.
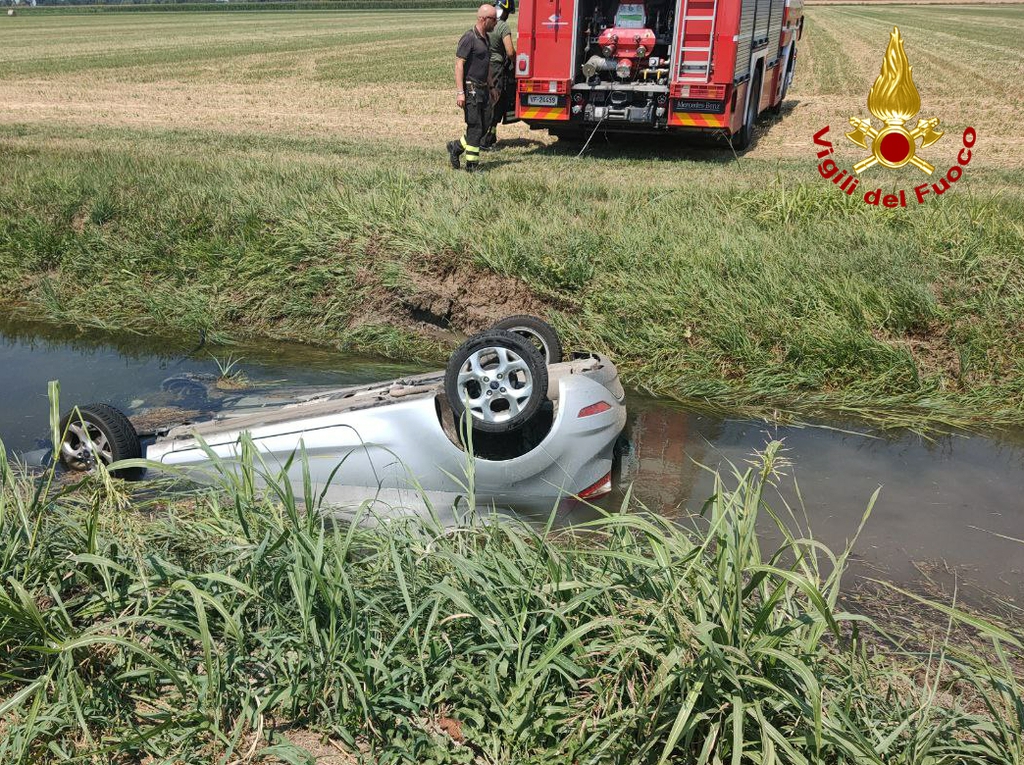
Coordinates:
(502, 77)
(473, 49)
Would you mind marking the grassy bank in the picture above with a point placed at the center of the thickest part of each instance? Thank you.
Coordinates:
(276, 177)
(231, 625)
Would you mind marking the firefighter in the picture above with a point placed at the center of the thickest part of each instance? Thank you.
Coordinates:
(472, 87)
(503, 53)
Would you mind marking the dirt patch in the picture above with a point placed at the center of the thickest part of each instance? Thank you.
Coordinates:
(443, 304)
(452, 727)
(931, 349)
(324, 750)
(78, 220)
(150, 420)
(908, 623)
(469, 298)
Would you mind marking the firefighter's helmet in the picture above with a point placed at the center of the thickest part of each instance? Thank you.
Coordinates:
(505, 7)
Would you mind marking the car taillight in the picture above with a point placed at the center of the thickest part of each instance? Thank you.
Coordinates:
(523, 64)
(599, 489)
(600, 406)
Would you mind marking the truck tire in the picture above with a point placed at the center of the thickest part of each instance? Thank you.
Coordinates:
(786, 82)
(539, 333)
(98, 432)
(499, 378)
(745, 136)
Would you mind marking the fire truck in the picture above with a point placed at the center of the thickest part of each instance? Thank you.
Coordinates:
(655, 66)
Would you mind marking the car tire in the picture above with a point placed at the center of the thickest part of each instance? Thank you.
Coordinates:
(745, 136)
(189, 386)
(496, 405)
(112, 435)
(541, 334)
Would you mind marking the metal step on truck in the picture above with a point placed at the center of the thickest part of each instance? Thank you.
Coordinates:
(654, 67)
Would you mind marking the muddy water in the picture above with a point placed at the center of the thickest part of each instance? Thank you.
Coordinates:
(942, 507)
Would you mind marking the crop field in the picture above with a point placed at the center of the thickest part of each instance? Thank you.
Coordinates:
(385, 77)
(283, 174)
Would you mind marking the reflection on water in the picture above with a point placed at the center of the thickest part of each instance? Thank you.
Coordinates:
(941, 501)
(130, 372)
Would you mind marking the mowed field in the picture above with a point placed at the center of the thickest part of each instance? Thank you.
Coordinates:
(283, 175)
(387, 75)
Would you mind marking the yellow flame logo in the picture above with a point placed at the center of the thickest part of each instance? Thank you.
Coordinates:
(894, 100)
(893, 97)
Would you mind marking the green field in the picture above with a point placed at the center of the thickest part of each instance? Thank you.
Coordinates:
(283, 175)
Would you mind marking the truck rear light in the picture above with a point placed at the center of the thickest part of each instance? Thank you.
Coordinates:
(600, 406)
(711, 92)
(523, 64)
(543, 86)
(598, 489)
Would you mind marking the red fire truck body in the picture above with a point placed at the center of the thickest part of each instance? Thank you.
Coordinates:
(655, 66)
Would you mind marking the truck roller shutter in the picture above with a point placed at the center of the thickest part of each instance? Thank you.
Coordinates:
(743, 42)
(761, 22)
(775, 29)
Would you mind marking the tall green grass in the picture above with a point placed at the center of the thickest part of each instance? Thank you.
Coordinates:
(205, 627)
(754, 290)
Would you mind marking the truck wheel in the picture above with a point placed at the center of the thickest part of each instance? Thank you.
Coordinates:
(98, 432)
(790, 66)
(539, 333)
(499, 378)
(745, 136)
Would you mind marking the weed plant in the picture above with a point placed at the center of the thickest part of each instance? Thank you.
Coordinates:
(206, 626)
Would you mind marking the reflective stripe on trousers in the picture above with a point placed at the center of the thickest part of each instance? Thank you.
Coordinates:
(472, 152)
(475, 114)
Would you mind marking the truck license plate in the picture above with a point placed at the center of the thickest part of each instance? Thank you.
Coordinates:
(537, 100)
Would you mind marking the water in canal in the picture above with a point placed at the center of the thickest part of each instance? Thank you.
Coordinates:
(945, 504)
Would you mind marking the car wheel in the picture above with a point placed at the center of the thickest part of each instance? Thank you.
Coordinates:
(499, 378)
(98, 432)
(189, 386)
(539, 333)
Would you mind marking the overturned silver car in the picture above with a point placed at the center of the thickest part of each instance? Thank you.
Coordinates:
(540, 429)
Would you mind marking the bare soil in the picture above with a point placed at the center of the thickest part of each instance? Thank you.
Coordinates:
(453, 297)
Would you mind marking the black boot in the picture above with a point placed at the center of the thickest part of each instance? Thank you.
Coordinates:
(454, 151)
(488, 141)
